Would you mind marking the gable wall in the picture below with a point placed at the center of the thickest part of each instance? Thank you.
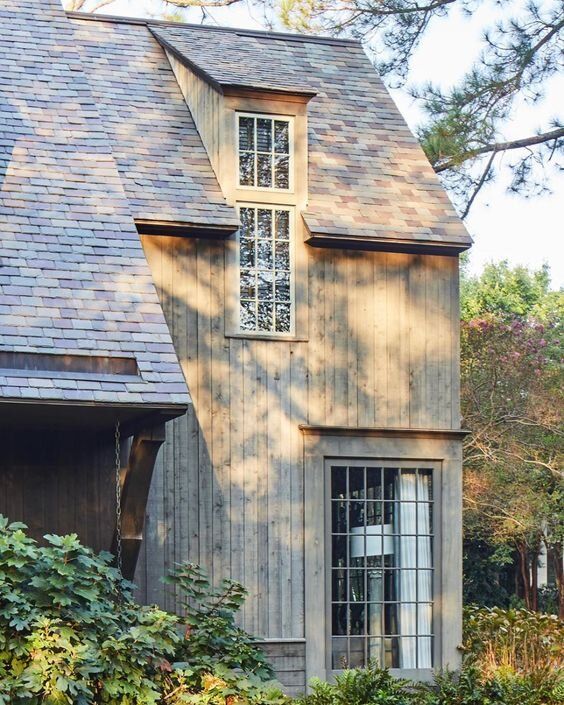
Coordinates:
(228, 490)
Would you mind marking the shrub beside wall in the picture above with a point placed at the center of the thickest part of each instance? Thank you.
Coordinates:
(71, 633)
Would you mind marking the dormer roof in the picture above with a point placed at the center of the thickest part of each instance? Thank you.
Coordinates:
(369, 180)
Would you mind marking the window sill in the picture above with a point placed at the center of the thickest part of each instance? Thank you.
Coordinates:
(269, 336)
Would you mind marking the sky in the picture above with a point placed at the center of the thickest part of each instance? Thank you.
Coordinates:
(525, 231)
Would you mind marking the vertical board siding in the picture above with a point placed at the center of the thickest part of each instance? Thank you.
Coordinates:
(228, 490)
(67, 487)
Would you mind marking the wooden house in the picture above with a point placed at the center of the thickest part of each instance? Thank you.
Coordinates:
(229, 307)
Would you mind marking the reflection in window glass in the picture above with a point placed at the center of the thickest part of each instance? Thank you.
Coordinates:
(381, 566)
(265, 277)
(264, 152)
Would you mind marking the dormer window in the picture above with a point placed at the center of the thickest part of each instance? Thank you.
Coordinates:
(265, 151)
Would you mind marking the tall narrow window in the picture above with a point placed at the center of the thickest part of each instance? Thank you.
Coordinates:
(265, 272)
(264, 151)
(381, 566)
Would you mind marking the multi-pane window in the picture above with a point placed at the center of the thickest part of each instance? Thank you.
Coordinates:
(381, 566)
(264, 151)
(265, 276)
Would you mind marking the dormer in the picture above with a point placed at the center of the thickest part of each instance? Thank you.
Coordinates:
(256, 139)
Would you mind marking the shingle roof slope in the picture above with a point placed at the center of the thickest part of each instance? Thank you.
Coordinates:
(73, 276)
(162, 162)
(368, 177)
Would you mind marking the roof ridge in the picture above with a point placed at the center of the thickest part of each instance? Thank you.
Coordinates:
(149, 22)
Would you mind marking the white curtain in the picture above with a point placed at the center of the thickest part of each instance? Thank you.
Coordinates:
(414, 586)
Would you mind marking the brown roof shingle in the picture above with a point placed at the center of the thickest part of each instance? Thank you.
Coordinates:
(368, 176)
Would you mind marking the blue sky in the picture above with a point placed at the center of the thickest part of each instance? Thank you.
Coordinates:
(528, 231)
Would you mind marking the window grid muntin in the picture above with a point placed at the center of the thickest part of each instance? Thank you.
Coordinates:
(280, 303)
(272, 153)
(395, 636)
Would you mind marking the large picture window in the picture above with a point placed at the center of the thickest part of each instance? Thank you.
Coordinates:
(264, 151)
(265, 270)
(381, 544)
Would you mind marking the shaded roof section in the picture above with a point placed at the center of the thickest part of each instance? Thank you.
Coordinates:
(368, 176)
(163, 165)
(73, 277)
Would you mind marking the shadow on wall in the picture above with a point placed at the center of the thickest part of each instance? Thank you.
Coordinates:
(228, 490)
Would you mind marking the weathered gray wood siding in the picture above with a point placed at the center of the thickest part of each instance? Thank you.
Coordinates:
(228, 489)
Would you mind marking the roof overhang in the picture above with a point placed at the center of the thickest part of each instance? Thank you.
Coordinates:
(300, 93)
(32, 414)
(185, 229)
(370, 240)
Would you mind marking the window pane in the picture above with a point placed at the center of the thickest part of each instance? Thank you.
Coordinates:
(264, 254)
(264, 229)
(264, 170)
(247, 216)
(283, 318)
(246, 133)
(247, 253)
(247, 282)
(248, 315)
(282, 225)
(247, 169)
(264, 135)
(339, 585)
(283, 286)
(265, 286)
(382, 548)
(264, 315)
(281, 137)
(282, 259)
(339, 619)
(340, 653)
(281, 172)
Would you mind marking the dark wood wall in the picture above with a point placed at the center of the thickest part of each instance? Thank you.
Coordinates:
(60, 482)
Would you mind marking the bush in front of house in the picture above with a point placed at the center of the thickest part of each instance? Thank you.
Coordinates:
(71, 633)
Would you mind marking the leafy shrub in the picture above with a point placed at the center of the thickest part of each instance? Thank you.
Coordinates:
(359, 686)
(470, 688)
(71, 633)
(212, 636)
(513, 641)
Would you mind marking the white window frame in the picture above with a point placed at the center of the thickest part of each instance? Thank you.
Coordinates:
(269, 116)
(260, 333)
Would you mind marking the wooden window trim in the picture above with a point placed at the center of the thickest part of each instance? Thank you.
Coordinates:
(409, 447)
(404, 463)
(268, 335)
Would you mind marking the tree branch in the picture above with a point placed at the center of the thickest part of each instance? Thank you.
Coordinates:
(501, 147)
(479, 185)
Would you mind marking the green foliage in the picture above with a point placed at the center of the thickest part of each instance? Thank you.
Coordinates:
(514, 641)
(212, 636)
(470, 688)
(507, 291)
(369, 686)
(71, 632)
(512, 402)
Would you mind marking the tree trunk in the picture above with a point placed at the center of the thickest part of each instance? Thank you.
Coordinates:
(535, 581)
(556, 553)
(525, 575)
